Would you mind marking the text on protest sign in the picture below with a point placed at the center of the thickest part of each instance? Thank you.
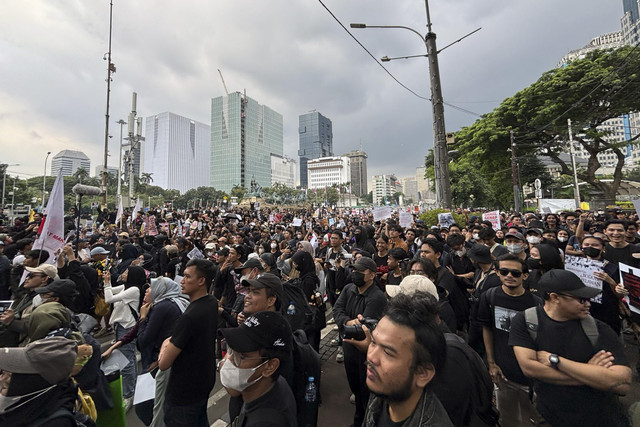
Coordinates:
(584, 269)
(380, 213)
(445, 219)
(494, 217)
(631, 281)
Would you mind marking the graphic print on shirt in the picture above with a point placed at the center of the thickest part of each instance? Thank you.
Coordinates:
(502, 317)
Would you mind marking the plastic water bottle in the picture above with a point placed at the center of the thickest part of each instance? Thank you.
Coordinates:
(310, 391)
(291, 310)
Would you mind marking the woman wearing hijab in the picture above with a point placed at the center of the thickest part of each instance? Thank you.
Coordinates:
(126, 302)
(159, 314)
(542, 258)
(302, 263)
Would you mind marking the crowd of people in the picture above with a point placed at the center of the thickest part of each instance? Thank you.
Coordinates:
(456, 324)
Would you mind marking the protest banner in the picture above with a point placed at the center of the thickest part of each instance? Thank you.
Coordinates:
(584, 269)
(380, 213)
(195, 253)
(636, 205)
(494, 217)
(631, 281)
(297, 222)
(405, 219)
(153, 229)
(445, 219)
(51, 235)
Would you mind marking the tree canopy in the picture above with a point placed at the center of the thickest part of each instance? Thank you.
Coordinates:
(588, 91)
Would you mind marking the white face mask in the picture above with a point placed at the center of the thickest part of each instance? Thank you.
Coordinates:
(476, 236)
(37, 301)
(244, 277)
(534, 240)
(459, 253)
(562, 239)
(273, 246)
(238, 378)
(515, 248)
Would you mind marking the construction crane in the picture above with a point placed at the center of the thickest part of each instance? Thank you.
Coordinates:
(223, 83)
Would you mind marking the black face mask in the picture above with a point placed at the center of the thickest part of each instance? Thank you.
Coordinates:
(534, 263)
(358, 278)
(591, 252)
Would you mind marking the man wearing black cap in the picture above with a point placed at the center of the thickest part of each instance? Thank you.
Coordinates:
(484, 278)
(577, 363)
(256, 351)
(358, 298)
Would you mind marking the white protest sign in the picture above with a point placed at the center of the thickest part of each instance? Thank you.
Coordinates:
(445, 219)
(494, 217)
(584, 269)
(636, 205)
(195, 253)
(631, 281)
(380, 213)
(405, 219)
(145, 388)
(297, 222)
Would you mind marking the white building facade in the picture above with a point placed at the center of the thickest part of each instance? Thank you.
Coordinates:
(284, 170)
(384, 187)
(177, 152)
(327, 171)
(69, 161)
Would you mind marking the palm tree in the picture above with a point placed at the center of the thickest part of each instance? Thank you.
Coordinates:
(146, 178)
(80, 174)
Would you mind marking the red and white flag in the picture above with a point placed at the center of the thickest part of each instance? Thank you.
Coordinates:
(52, 232)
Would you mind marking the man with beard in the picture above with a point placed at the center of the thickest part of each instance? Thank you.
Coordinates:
(360, 298)
(407, 349)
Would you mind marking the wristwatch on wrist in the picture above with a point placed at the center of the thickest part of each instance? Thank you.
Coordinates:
(554, 360)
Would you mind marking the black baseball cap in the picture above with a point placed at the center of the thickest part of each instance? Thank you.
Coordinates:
(365, 263)
(250, 263)
(480, 253)
(223, 252)
(266, 280)
(565, 282)
(266, 330)
(60, 287)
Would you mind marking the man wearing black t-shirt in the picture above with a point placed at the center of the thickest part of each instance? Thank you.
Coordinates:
(262, 344)
(496, 308)
(577, 383)
(190, 351)
(618, 249)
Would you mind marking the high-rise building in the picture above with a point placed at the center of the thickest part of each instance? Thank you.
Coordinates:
(69, 161)
(327, 171)
(316, 140)
(177, 152)
(410, 189)
(384, 187)
(630, 22)
(244, 134)
(284, 170)
(358, 172)
(424, 186)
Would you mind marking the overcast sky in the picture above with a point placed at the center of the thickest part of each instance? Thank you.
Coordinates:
(290, 55)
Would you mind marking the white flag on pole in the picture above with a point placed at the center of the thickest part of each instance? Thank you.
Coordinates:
(119, 213)
(52, 234)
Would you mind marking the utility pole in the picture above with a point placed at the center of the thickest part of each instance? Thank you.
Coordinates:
(111, 68)
(576, 187)
(119, 192)
(440, 155)
(134, 139)
(514, 176)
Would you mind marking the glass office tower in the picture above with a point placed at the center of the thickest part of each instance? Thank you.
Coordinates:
(316, 140)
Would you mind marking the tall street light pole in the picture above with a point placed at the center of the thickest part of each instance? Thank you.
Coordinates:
(4, 180)
(441, 160)
(44, 179)
(111, 68)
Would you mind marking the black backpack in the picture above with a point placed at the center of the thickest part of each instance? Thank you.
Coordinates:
(303, 316)
(306, 363)
(485, 412)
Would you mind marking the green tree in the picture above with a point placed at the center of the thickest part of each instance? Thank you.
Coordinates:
(81, 174)
(589, 91)
(239, 192)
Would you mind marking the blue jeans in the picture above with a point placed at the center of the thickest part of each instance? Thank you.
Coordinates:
(194, 415)
(129, 373)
